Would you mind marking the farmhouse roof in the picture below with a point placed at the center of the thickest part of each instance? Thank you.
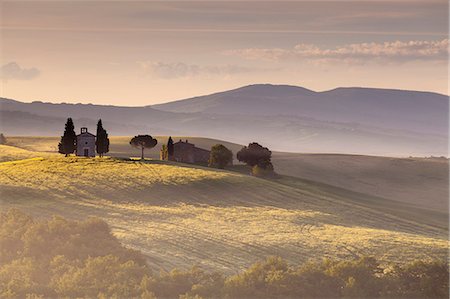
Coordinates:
(191, 144)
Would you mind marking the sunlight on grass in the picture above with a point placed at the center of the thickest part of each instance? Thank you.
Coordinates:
(180, 215)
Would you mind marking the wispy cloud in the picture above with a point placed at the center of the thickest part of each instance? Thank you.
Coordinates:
(174, 70)
(393, 52)
(13, 71)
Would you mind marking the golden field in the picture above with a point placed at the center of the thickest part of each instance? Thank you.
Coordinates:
(416, 182)
(180, 215)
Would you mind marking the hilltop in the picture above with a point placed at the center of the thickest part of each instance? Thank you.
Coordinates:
(179, 214)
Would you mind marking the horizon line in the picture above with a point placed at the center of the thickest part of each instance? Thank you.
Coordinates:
(222, 91)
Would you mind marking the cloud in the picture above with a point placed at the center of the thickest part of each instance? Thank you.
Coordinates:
(174, 70)
(392, 52)
(13, 71)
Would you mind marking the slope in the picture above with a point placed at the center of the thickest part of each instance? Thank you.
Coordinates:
(417, 182)
(180, 215)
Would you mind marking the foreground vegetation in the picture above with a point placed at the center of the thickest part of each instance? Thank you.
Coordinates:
(62, 258)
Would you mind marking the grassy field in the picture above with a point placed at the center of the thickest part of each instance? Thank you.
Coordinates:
(180, 215)
(417, 182)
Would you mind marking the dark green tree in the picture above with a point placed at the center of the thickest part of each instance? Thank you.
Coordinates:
(220, 156)
(143, 142)
(68, 143)
(102, 140)
(254, 154)
(170, 148)
(2, 139)
(258, 157)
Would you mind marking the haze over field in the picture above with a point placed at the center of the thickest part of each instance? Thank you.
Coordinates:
(285, 118)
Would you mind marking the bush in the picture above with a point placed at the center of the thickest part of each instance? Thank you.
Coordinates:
(263, 169)
(220, 156)
(59, 258)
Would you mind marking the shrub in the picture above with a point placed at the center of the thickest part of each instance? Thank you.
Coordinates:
(61, 258)
(263, 169)
(220, 156)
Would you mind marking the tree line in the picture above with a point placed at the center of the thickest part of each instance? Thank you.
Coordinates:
(59, 258)
(254, 155)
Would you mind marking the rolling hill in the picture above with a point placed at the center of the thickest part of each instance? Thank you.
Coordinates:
(415, 111)
(284, 118)
(180, 215)
(416, 182)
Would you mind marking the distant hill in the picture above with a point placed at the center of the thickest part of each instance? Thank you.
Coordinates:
(385, 108)
(284, 118)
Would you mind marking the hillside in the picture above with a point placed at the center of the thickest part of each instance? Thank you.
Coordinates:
(284, 118)
(417, 182)
(181, 215)
(12, 153)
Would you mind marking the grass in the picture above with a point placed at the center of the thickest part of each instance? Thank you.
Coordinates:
(417, 182)
(180, 215)
(11, 153)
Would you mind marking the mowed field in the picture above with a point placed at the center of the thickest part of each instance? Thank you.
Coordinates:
(181, 215)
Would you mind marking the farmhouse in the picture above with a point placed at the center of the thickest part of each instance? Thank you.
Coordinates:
(186, 152)
(85, 144)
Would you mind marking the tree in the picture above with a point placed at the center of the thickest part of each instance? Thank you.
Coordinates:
(258, 157)
(220, 156)
(2, 139)
(170, 148)
(254, 154)
(68, 143)
(163, 155)
(102, 140)
(143, 142)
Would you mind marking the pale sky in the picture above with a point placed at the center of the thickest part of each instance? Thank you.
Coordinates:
(146, 52)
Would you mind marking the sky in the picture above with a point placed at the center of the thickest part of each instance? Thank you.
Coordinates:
(135, 53)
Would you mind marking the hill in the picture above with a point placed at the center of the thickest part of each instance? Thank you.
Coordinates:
(415, 111)
(284, 118)
(180, 215)
(417, 182)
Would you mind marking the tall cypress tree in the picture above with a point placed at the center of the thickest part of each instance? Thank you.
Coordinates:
(68, 143)
(102, 140)
(170, 148)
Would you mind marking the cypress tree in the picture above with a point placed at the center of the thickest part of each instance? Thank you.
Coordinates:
(102, 140)
(68, 143)
(170, 148)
